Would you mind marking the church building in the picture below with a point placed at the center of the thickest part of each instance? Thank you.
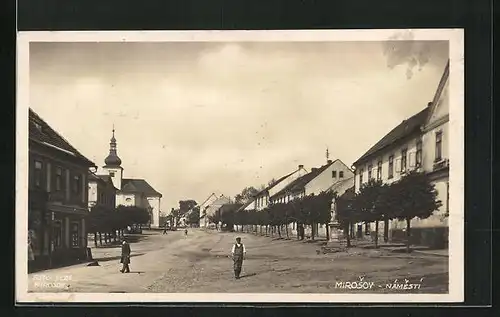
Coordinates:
(131, 191)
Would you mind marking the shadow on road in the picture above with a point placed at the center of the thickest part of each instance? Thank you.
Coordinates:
(132, 238)
(248, 275)
(115, 257)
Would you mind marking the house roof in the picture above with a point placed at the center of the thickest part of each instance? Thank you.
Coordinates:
(105, 179)
(279, 180)
(336, 186)
(245, 205)
(130, 185)
(41, 132)
(400, 132)
(439, 90)
(301, 182)
(349, 194)
(229, 207)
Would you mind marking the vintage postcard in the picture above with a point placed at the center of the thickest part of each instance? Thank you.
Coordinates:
(240, 166)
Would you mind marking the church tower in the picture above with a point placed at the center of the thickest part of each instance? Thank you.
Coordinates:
(113, 164)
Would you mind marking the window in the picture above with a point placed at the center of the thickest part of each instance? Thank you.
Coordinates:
(361, 171)
(59, 178)
(334, 174)
(370, 167)
(418, 156)
(439, 145)
(391, 167)
(57, 236)
(112, 174)
(379, 170)
(341, 174)
(38, 173)
(403, 159)
(75, 235)
(76, 184)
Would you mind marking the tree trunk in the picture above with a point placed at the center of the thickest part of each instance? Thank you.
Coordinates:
(100, 239)
(348, 234)
(386, 230)
(95, 239)
(313, 233)
(286, 229)
(375, 239)
(408, 235)
(327, 227)
(279, 232)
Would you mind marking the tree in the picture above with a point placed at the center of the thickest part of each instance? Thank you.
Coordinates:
(346, 213)
(246, 195)
(194, 216)
(186, 205)
(413, 196)
(372, 203)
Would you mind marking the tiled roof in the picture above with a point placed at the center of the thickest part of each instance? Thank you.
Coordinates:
(341, 183)
(229, 207)
(403, 130)
(130, 185)
(41, 132)
(275, 183)
(299, 184)
(245, 205)
(106, 179)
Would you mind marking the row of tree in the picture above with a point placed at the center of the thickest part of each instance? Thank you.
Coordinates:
(107, 223)
(413, 196)
(276, 218)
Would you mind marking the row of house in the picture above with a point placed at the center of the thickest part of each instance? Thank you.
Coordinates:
(62, 187)
(419, 142)
(334, 175)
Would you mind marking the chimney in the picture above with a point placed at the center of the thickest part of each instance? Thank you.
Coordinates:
(314, 169)
(329, 161)
(301, 166)
(429, 104)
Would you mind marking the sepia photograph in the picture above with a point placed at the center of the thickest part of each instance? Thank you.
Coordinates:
(254, 166)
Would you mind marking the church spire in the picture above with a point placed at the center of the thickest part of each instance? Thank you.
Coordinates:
(112, 159)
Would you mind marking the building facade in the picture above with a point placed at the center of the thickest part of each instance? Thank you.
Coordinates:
(418, 143)
(263, 198)
(101, 191)
(314, 183)
(58, 197)
(131, 191)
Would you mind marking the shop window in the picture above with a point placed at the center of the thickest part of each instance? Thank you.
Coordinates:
(75, 234)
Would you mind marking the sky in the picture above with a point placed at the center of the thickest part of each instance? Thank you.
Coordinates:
(194, 118)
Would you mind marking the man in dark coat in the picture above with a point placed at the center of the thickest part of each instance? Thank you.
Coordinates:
(125, 258)
(238, 253)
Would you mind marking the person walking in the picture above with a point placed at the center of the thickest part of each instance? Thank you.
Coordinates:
(186, 232)
(125, 258)
(238, 254)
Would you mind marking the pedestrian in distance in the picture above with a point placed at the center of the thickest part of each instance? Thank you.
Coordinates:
(165, 230)
(238, 254)
(125, 258)
(186, 232)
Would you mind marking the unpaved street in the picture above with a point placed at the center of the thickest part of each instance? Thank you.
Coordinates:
(199, 263)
